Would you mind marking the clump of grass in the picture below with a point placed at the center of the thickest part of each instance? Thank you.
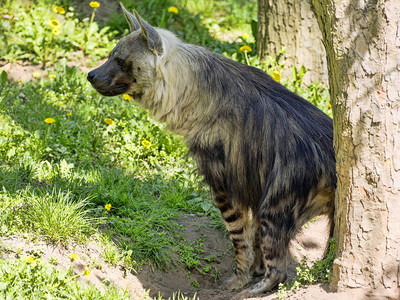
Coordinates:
(58, 217)
(319, 272)
(29, 278)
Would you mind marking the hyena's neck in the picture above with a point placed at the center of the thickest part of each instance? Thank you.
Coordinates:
(180, 97)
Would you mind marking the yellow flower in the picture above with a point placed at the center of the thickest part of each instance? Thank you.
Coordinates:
(59, 9)
(108, 206)
(52, 76)
(68, 114)
(87, 272)
(30, 260)
(329, 105)
(19, 80)
(173, 10)
(108, 121)
(36, 74)
(127, 97)
(73, 256)
(94, 4)
(245, 35)
(49, 120)
(276, 75)
(55, 31)
(54, 23)
(245, 48)
(146, 143)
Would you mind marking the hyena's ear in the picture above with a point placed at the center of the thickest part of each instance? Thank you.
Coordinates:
(154, 41)
(133, 23)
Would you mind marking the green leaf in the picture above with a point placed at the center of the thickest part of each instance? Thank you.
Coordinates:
(3, 78)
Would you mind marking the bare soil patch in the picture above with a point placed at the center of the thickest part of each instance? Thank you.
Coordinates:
(310, 243)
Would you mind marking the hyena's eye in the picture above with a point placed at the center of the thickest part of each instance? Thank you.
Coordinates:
(120, 62)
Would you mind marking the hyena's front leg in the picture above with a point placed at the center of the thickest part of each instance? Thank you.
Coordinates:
(241, 231)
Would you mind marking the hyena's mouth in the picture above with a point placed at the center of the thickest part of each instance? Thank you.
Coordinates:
(113, 90)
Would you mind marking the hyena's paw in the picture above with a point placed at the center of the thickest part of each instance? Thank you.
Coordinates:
(236, 282)
(268, 283)
(242, 295)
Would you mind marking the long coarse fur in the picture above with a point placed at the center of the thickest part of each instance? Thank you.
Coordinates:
(266, 152)
(264, 138)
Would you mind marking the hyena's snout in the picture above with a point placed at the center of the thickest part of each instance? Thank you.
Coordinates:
(91, 77)
(106, 82)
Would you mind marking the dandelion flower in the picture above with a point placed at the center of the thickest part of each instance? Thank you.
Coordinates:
(107, 206)
(30, 260)
(127, 97)
(54, 23)
(59, 9)
(276, 75)
(49, 120)
(73, 256)
(245, 48)
(108, 121)
(146, 143)
(19, 80)
(87, 272)
(55, 31)
(173, 10)
(36, 74)
(329, 105)
(245, 35)
(52, 76)
(94, 4)
(68, 114)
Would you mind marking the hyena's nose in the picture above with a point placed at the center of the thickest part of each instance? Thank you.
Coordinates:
(91, 76)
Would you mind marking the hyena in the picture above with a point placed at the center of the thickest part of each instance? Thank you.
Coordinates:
(266, 153)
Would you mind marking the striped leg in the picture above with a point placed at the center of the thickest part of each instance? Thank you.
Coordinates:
(274, 246)
(239, 224)
(257, 269)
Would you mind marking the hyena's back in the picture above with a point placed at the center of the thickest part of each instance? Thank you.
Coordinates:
(266, 152)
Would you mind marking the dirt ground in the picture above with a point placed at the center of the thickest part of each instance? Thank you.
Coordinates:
(310, 244)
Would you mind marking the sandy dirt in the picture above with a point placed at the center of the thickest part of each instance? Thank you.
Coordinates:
(310, 244)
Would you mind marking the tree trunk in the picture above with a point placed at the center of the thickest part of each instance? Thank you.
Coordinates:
(291, 24)
(362, 41)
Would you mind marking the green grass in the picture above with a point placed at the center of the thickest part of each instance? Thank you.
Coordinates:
(57, 217)
(34, 279)
(70, 169)
(318, 272)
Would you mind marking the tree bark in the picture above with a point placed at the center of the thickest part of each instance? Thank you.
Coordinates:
(291, 24)
(362, 41)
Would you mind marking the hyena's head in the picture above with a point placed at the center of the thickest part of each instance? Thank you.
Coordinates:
(130, 67)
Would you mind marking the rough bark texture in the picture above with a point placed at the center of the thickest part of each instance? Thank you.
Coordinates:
(292, 24)
(362, 40)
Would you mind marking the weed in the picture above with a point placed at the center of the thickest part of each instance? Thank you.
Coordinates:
(29, 278)
(57, 217)
(320, 271)
(210, 258)
(36, 33)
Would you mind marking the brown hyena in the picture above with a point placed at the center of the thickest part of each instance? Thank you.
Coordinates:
(266, 152)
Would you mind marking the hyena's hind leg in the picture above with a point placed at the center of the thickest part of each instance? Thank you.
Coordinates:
(276, 231)
(258, 268)
(241, 227)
